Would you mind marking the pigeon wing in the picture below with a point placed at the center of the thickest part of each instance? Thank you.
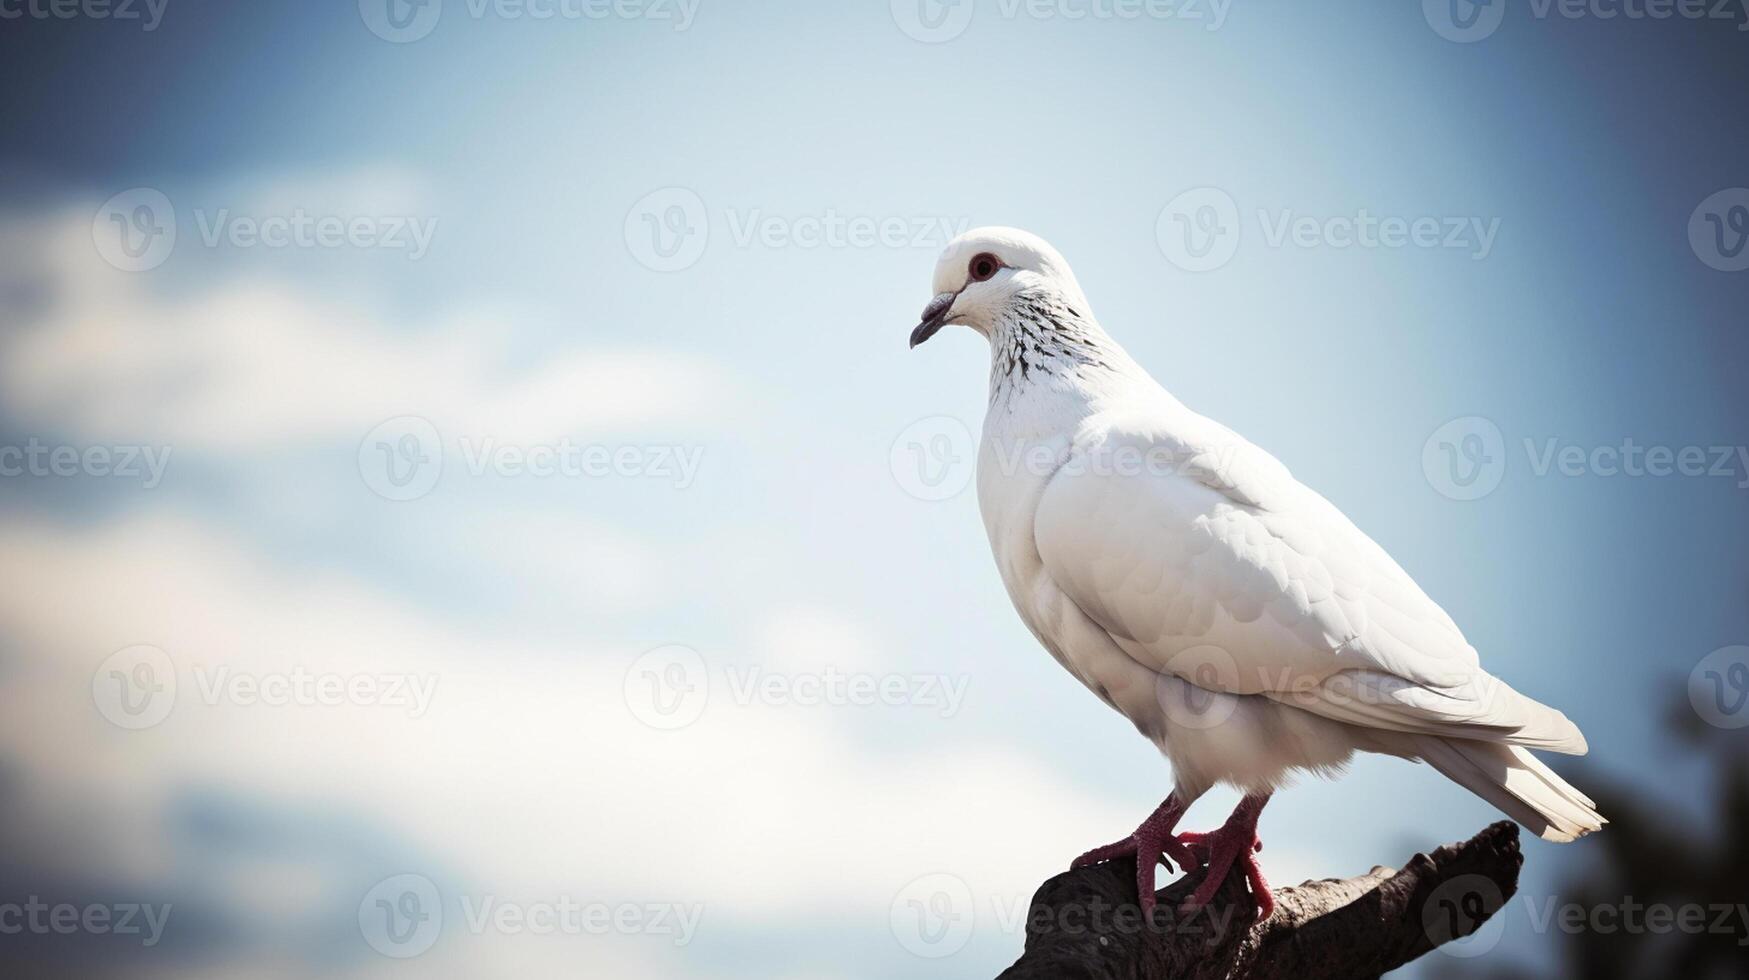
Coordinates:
(1202, 557)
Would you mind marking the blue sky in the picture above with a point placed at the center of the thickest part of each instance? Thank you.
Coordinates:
(708, 244)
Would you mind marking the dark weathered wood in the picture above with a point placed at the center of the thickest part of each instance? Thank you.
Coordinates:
(1087, 925)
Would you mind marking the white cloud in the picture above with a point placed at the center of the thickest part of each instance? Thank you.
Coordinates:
(808, 638)
(596, 565)
(529, 776)
(253, 363)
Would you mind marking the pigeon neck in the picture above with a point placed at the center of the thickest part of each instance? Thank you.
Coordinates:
(1048, 342)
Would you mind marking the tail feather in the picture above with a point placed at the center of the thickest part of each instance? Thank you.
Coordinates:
(1512, 779)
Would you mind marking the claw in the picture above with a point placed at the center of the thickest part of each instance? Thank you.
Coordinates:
(1153, 843)
(1099, 855)
(1164, 850)
(1236, 842)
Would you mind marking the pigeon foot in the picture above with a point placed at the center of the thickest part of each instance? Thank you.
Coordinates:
(1153, 843)
(1235, 842)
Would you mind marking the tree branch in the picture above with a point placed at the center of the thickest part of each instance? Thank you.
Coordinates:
(1087, 925)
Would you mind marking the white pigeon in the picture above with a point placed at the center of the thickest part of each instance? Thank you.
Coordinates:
(1236, 617)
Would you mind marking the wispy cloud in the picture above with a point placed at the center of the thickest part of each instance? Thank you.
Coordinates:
(529, 775)
(251, 363)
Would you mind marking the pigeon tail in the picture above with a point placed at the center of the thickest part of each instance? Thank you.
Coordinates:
(1515, 781)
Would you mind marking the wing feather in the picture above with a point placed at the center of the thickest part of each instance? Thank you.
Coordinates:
(1214, 546)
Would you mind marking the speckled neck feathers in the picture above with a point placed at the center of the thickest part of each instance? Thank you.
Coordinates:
(1045, 339)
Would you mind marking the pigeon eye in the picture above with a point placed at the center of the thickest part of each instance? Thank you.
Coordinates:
(983, 267)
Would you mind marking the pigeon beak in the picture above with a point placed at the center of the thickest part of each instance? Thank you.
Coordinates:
(934, 316)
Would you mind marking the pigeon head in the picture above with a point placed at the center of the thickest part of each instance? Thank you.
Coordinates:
(982, 273)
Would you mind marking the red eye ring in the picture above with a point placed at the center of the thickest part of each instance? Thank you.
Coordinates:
(983, 266)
